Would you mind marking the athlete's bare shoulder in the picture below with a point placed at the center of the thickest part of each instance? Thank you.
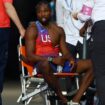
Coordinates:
(54, 25)
(32, 25)
(31, 30)
(57, 28)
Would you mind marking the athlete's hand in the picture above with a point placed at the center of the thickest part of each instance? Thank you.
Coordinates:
(73, 65)
(59, 60)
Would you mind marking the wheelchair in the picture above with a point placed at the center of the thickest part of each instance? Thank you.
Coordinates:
(32, 83)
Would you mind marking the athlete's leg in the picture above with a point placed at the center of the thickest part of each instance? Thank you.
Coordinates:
(84, 66)
(52, 81)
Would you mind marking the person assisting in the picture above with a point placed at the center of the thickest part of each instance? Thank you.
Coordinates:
(7, 12)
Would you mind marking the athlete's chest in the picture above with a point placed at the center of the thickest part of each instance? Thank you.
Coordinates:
(49, 36)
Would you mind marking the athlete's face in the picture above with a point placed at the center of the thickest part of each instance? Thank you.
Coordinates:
(43, 13)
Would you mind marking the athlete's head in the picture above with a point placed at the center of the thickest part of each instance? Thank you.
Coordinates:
(43, 11)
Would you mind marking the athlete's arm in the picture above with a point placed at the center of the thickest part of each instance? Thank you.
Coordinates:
(64, 50)
(65, 53)
(30, 43)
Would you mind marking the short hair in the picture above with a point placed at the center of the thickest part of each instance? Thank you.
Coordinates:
(41, 2)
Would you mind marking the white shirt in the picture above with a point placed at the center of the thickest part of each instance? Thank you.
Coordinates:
(98, 12)
(64, 8)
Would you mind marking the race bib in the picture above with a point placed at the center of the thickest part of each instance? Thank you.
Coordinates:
(86, 10)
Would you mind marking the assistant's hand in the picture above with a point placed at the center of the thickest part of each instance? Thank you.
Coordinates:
(22, 32)
(82, 31)
(84, 28)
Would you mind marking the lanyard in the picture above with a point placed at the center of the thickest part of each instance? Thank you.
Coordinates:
(69, 5)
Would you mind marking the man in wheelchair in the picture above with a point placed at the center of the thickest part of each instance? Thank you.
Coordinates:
(44, 40)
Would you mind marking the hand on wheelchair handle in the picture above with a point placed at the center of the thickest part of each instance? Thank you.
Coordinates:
(82, 32)
(23, 58)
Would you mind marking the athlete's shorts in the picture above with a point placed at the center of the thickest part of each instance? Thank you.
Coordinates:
(66, 68)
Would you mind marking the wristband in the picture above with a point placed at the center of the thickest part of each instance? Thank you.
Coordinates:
(50, 59)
